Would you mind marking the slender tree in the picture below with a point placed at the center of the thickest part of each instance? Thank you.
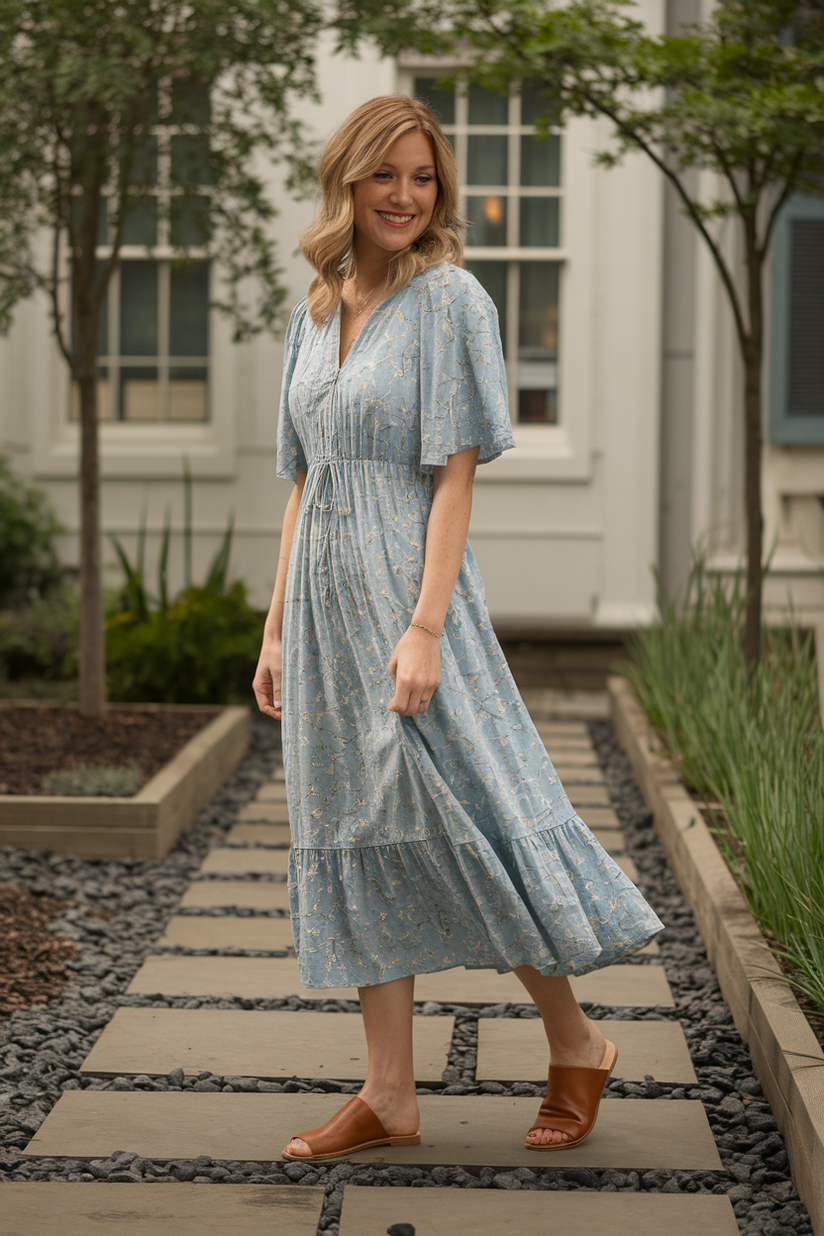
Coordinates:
(740, 95)
(83, 83)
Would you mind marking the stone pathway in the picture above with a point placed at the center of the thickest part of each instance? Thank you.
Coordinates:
(263, 1074)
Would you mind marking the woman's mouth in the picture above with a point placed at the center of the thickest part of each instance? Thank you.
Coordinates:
(394, 220)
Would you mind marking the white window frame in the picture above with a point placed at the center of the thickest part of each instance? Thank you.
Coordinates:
(561, 451)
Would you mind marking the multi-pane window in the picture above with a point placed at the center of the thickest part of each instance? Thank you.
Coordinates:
(153, 338)
(511, 193)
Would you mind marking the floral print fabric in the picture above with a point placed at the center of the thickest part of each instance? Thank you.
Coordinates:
(444, 839)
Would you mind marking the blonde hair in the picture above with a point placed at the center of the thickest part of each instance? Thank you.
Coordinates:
(353, 152)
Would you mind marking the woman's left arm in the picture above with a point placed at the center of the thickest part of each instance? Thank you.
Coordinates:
(415, 665)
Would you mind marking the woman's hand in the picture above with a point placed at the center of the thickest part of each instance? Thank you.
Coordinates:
(415, 666)
(267, 681)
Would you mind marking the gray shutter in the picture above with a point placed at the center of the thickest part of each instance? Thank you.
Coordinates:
(805, 369)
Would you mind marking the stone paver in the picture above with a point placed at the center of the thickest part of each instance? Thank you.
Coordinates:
(227, 861)
(583, 796)
(475, 1130)
(237, 1043)
(270, 813)
(259, 834)
(511, 1050)
(255, 934)
(612, 839)
(629, 869)
(271, 792)
(601, 817)
(278, 977)
(245, 894)
(583, 759)
(458, 1212)
(583, 774)
(80, 1209)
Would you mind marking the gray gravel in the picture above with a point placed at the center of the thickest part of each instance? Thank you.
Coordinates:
(42, 1048)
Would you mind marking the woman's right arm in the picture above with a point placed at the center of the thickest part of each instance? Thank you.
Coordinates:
(267, 680)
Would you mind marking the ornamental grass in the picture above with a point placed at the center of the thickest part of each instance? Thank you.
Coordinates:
(753, 747)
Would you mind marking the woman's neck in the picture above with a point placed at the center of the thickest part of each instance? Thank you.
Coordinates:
(371, 265)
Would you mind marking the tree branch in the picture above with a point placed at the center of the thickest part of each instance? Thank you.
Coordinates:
(692, 209)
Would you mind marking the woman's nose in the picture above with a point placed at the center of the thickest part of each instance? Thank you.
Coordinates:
(402, 192)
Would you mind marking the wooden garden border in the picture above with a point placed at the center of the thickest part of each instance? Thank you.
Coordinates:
(762, 1002)
(145, 826)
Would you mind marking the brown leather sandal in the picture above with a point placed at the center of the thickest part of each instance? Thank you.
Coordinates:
(572, 1099)
(354, 1127)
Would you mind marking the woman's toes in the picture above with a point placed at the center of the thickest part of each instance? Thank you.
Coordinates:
(547, 1137)
(298, 1147)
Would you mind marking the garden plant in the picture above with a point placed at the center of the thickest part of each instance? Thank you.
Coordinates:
(753, 746)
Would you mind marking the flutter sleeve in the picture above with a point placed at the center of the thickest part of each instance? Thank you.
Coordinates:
(290, 452)
(463, 379)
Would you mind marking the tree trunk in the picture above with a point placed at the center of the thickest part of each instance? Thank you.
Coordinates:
(92, 634)
(753, 355)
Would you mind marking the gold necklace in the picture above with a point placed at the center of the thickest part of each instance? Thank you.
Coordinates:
(367, 301)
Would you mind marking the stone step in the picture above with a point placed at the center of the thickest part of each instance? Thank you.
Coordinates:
(583, 759)
(433, 1212)
(632, 986)
(584, 796)
(98, 1209)
(564, 729)
(271, 792)
(583, 774)
(246, 894)
(471, 1130)
(240, 1043)
(512, 1049)
(225, 860)
(629, 869)
(250, 934)
(601, 817)
(269, 813)
(277, 835)
(254, 934)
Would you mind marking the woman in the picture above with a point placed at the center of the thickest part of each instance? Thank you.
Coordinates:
(429, 829)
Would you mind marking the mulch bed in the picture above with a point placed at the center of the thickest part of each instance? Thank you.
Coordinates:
(32, 958)
(35, 741)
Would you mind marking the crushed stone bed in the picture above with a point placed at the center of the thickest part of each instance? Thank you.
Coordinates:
(42, 1047)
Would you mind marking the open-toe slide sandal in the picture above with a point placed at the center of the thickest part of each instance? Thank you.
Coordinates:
(354, 1127)
(572, 1099)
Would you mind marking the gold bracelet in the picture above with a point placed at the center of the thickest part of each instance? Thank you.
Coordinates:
(423, 628)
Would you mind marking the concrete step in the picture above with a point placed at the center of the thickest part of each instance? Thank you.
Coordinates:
(488, 1212)
(239, 1043)
(472, 1130)
(99, 1209)
(278, 977)
(246, 894)
(515, 1049)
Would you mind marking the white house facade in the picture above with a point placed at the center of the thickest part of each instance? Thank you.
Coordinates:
(623, 375)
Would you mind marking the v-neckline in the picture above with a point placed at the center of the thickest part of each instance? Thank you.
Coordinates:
(339, 364)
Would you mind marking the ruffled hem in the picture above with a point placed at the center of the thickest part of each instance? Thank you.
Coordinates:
(553, 899)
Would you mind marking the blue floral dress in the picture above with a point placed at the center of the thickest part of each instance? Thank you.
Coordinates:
(443, 839)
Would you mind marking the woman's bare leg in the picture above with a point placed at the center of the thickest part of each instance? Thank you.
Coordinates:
(573, 1038)
(389, 1088)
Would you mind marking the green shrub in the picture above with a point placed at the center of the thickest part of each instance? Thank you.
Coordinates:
(90, 782)
(202, 649)
(39, 640)
(753, 744)
(28, 527)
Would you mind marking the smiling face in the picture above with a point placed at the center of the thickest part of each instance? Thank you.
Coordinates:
(394, 205)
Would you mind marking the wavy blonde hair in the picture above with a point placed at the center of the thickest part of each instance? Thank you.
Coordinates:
(353, 152)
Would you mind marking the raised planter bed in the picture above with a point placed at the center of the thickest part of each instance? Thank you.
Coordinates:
(146, 825)
(786, 1056)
